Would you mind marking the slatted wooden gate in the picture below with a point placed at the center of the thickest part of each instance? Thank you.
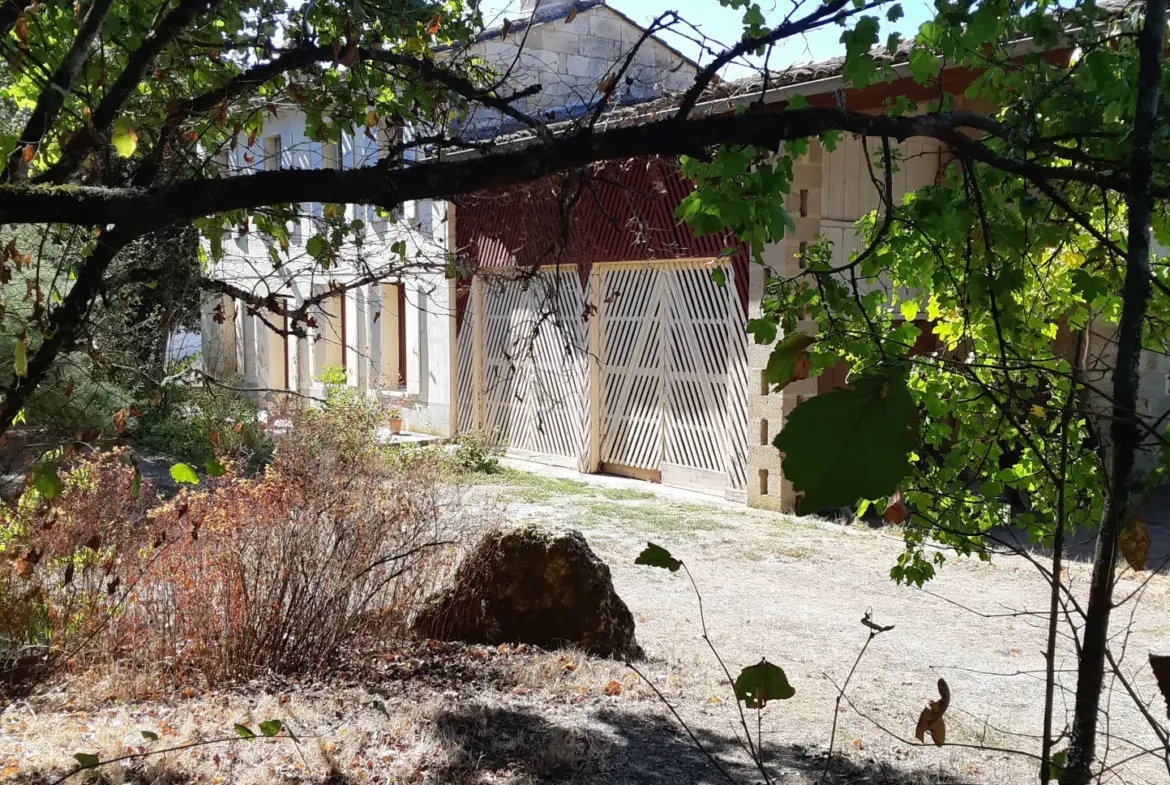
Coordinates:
(670, 370)
(673, 384)
(533, 377)
(632, 371)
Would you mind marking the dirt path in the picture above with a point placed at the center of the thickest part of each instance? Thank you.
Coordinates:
(794, 591)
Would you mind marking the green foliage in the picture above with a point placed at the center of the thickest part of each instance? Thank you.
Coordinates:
(198, 424)
(657, 556)
(758, 684)
(475, 453)
(244, 732)
(742, 189)
(87, 760)
(45, 480)
(849, 443)
(788, 361)
(271, 727)
(989, 423)
(182, 473)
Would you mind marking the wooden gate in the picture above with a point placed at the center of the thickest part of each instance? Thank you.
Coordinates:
(667, 376)
(631, 372)
(672, 351)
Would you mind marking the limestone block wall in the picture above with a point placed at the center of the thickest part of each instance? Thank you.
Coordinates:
(767, 410)
(568, 59)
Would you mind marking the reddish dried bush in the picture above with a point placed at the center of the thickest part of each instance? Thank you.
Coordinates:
(238, 576)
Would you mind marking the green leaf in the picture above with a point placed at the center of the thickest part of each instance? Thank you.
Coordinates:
(271, 727)
(20, 358)
(45, 480)
(86, 760)
(797, 102)
(923, 65)
(849, 443)
(244, 732)
(764, 330)
(719, 276)
(758, 684)
(181, 472)
(124, 137)
(149, 735)
(789, 360)
(1056, 765)
(895, 12)
(657, 556)
(315, 246)
(135, 483)
(909, 310)
(214, 469)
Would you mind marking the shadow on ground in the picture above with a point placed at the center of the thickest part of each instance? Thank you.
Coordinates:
(615, 746)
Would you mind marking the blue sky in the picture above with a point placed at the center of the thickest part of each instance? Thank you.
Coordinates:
(724, 25)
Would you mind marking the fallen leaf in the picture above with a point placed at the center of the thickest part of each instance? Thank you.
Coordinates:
(896, 511)
(21, 29)
(1134, 542)
(433, 27)
(572, 15)
(612, 688)
(931, 718)
(120, 421)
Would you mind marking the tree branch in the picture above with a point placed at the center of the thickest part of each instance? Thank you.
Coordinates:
(1124, 430)
(830, 11)
(53, 95)
(124, 87)
(451, 177)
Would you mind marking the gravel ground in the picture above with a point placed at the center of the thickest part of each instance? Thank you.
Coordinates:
(790, 590)
(794, 591)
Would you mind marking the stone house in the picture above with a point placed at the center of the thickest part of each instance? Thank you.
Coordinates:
(594, 338)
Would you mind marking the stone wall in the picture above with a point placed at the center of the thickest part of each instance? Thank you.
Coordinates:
(767, 410)
(569, 59)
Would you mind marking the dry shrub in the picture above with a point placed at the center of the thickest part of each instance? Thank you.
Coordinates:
(238, 576)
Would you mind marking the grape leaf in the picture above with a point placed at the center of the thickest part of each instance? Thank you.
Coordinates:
(789, 360)
(87, 760)
(657, 556)
(181, 472)
(849, 443)
(760, 683)
(124, 137)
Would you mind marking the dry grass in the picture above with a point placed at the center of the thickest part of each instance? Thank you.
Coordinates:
(426, 712)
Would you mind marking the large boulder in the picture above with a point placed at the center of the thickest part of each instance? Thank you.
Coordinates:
(535, 586)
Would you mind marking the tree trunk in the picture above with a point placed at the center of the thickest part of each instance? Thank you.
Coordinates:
(1124, 425)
